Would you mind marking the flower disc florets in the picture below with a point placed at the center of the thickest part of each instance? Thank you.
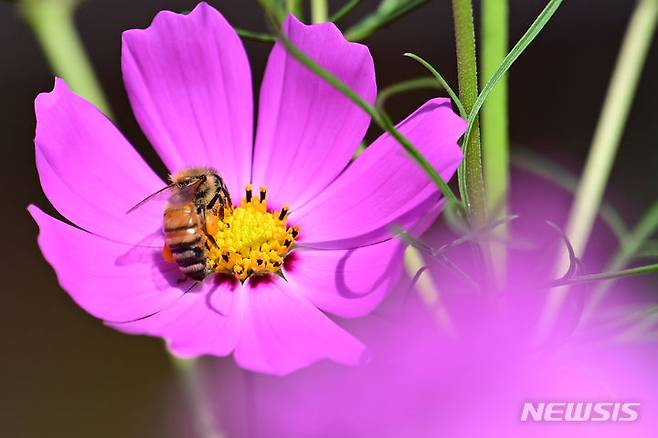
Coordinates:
(250, 239)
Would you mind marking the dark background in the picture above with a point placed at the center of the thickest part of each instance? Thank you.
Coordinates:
(65, 374)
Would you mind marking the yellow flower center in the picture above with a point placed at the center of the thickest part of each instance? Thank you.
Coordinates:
(250, 239)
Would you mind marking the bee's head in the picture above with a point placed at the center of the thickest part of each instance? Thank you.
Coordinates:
(207, 181)
(192, 175)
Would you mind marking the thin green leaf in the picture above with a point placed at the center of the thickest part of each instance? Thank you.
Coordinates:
(274, 10)
(442, 82)
(438, 255)
(342, 12)
(387, 12)
(455, 217)
(632, 272)
(512, 56)
(461, 175)
(256, 36)
(403, 87)
(574, 263)
(628, 248)
(380, 119)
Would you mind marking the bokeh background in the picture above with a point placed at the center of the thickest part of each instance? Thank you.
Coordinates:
(64, 374)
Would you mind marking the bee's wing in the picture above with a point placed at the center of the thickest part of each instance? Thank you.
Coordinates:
(162, 194)
(172, 193)
(185, 195)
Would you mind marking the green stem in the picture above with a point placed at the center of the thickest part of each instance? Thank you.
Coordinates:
(53, 25)
(494, 123)
(494, 132)
(468, 93)
(319, 11)
(605, 143)
(540, 22)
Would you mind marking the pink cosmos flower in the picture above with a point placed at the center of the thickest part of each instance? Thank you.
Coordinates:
(189, 84)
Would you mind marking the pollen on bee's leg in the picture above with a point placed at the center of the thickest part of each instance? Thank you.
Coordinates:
(167, 255)
(212, 224)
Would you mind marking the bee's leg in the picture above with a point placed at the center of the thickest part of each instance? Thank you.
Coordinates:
(211, 226)
(212, 240)
(213, 201)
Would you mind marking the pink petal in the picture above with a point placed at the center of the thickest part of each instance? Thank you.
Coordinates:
(88, 170)
(283, 332)
(206, 320)
(347, 283)
(189, 83)
(384, 185)
(112, 281)
(308, 131)
(135, 291)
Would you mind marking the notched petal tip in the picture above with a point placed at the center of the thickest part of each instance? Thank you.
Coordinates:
(48, 99)
(331, 32)
(200, 11)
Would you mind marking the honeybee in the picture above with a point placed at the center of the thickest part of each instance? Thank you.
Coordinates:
(192, 194)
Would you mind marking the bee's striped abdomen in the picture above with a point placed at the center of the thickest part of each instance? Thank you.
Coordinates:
(184, 237)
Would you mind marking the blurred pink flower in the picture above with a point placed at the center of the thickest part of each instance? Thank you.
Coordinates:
(189, 83)
(470, 381)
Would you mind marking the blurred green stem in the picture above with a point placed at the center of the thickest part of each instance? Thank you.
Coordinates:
(189, 374)
(319, 11)
(611, 122)
(468, 93)
(605, 143)
(428, 290)
(53, 25)
(494, 131)
(275, 10)
(295, 7)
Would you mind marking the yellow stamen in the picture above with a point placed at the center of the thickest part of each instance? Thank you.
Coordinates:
(250, 240)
